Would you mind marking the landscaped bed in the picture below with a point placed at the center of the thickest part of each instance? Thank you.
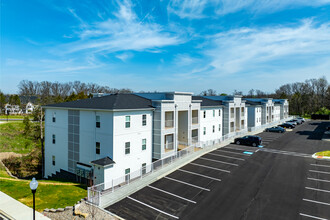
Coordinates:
(323, 153)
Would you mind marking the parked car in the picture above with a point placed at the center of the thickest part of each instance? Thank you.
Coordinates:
(249, 140)
(275, 129)
(299, 121)
(302, 119)
(287, 125)
(293, 121)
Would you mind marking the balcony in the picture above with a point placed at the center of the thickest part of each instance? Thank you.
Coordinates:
(169, 146)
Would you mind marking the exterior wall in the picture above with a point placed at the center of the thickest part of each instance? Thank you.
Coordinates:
(208, 122)
(254, 116)
(134, 134)
(277, 112)
(60, 148)
(238, 118)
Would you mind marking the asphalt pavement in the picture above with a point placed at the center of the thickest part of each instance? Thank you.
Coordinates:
(279, 181)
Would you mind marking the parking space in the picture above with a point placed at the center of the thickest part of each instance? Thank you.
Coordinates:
(316, 200)
(169, 196)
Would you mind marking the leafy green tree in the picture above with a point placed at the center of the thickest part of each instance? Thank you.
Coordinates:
(27, 125)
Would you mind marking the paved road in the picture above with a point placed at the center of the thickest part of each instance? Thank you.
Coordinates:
(279, 181)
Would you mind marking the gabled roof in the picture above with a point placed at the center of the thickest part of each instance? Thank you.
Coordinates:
(105, 161)
(206, 101)
(114, 101)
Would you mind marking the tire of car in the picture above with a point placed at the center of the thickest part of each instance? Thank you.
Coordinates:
(254, 144)
(238, 142)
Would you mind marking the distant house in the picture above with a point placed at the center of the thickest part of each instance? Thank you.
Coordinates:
(12, 109)
(29, 108)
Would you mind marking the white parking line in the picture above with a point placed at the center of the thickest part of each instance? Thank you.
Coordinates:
(218, 161)
(311, 216)
(158, 210)
(189, 184)
(328, 181)
(241, 148)
(197, 174)
(319, 165)
(219, 155)
(323, 203)
(197, 164)
(316, 171)
(321, 190)
(171, 194)
(233, 152)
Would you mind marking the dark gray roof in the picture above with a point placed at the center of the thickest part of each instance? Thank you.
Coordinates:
(207, 101)
(253, 102)
(103, 161)
(114, 101)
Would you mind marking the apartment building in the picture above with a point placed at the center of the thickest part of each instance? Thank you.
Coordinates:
(254, 114)
(175, 122)
(103, 138)
(284, 107)
(211, 119)
(234, 113)
(267, 108)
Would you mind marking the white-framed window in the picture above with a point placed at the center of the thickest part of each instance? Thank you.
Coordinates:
(54, 116)
(144, 144)
(219, 112)
(127, 121)
(98, 147)
(144, 120)
(213, 113)
(219, 127)
(127, 147)
(204, 131)
(54, 139)
(53, 160)
(144, 168)
(213, 128)
(98, 121)
(204, 114)
(127, 174)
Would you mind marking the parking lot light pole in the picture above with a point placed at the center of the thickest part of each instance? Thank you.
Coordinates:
(33, 187)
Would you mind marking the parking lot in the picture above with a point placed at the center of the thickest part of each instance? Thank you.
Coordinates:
(278, 181)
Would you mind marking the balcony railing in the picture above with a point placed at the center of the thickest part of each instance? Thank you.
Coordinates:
(169, 123)
(194, 139)
(195, 120)
(169, 146)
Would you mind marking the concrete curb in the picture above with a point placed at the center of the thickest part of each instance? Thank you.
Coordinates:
(320, 157)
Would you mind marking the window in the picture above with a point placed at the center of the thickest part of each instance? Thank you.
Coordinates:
(144, 144)
(98, 147)
(219, 127)
(54, 139)
(144, 168)
(128, 121)
(127, 174)
(127, 147)
(213, 129)
(213, 113)
(204, 131)
(219, 112)
(144, 120)
(54, 116)
(204, 114)
(98, 122)
(53, 160)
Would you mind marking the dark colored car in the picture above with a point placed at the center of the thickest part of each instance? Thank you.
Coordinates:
(248, 140)
(287, 125)
(275, 129)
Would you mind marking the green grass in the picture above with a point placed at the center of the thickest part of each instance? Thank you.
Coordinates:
(3, 172)
(323, 153)
(12, 138)
(47, 196)
(13, 116)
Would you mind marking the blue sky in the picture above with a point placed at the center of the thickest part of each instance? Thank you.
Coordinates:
(168, 45)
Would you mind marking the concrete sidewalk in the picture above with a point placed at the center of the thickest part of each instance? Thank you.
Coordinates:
(13, 209)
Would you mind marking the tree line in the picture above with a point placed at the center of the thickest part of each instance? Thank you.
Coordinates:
(308, 97)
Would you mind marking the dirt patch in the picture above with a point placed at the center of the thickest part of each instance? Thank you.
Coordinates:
(5, 155)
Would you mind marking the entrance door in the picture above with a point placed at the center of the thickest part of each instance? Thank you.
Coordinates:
(144, 168)
(127, 175)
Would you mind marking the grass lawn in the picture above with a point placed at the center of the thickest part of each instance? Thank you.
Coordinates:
(323, 153)
(12, 138)
(13, 116)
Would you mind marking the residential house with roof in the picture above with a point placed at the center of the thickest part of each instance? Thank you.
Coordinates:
(103, 138)
(254, 110)
(284, 107)
(267, 108)
(211, 120)
(234, 113)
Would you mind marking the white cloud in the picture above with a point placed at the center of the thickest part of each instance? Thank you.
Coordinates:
(123, 32)
(269, 49)
(124, 56)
